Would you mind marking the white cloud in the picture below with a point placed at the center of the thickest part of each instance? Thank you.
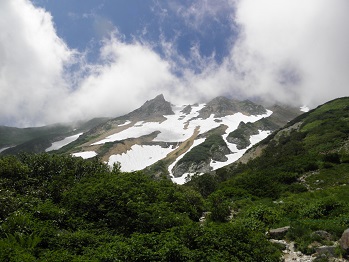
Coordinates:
(290, 50)
(36, 89)
(128, 75)
(293, 50)
(32, 60)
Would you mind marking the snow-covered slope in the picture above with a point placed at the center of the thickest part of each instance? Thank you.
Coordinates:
(176, 130)
(61, 143)
(139, 157)
(181, 140)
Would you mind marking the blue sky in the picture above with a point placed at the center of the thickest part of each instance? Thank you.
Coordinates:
(84, 23)
(76, 59)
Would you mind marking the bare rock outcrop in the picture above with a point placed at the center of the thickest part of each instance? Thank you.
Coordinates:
(344, 241)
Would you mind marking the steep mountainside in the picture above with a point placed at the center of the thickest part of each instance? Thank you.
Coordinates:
(177, 141)
(295, 181)
(222, 106)
(307, 149)
(287, 199)
(40, 139)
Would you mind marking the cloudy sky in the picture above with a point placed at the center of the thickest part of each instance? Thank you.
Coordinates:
(76, 59)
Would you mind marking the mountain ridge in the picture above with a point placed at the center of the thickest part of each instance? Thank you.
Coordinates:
(160, 131)
(289, 202)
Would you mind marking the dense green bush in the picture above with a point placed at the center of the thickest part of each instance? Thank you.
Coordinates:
(60, 208)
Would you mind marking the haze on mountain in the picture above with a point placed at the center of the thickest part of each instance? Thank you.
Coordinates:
(286, 200)
(160, 138)
(65, 61)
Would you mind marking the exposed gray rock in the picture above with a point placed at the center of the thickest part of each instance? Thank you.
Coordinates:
(290, 254)
(282, 244)
(344, 241)
(328, 251)
(241, 136)
(186, 110)
(323, 234)
(203, 217)
(191, 167)
(199, 158)
(157, 107)
(219, 153)
(222, 106)
(240, 142)
(278, 233)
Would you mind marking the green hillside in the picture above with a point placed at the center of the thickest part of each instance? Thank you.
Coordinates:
(37, 139)
(300, 179)
(60, 208)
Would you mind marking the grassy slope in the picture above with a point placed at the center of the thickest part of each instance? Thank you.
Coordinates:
(37, 139)
(58, 207)
(301, 178)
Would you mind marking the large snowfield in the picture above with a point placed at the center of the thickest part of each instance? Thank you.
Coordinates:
(139, 157)
(176, 128)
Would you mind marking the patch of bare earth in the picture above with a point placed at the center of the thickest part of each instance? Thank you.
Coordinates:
(182, 148)
(107, 133)
(125, 145)
(252, 154)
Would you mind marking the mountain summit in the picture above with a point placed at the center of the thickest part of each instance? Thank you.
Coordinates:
(152, 109)
(176, 140)
(222, 106)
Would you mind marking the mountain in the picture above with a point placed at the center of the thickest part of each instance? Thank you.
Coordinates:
(295, 181)
(165, 139)
(177, 141)
(286, 199)
(154, 109)
(222, 106)
(38, 139)
(307, 149)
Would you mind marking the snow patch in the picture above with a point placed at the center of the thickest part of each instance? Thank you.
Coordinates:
(236, 153)
(181, 180)
(304, 109)
(4, 148)
(179, 127)
(126, 123)
(59, 144)
(139, 157)
(85, 155)
(184, 178)
(171, 130)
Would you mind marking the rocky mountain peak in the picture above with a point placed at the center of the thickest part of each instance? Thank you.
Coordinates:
(222, 106)
(156, 107)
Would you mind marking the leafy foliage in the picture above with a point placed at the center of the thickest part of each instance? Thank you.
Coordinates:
(60, 208)
(203, 151)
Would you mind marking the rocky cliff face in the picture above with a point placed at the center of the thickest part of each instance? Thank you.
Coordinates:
(151, 110)
(157, 107)
(219, 152)
(199, 158)
(191, 167)
(222, 106)
(149, 130)
(241, 136)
